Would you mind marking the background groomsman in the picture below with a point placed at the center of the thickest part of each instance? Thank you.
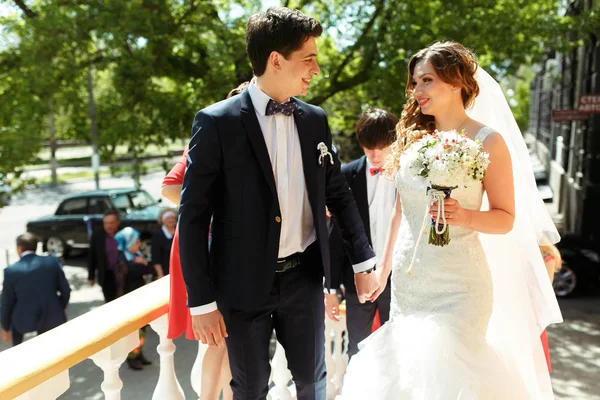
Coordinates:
(374, 196)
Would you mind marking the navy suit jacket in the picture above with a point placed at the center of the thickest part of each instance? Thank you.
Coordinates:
(29, 295)
(229, 176)
(341, 266)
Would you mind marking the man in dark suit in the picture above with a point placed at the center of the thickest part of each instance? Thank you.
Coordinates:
(374, 195)
(29, 294)
(102, 256)
(262, 164)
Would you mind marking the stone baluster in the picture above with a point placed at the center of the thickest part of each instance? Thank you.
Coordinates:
(110, 359)
(336, 358)
(50, 389)
(196, 373)
(340, 352)
(168, 386)
(281, 375)
(329, 361)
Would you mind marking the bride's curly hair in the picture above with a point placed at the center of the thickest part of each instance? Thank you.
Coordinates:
(455, 65)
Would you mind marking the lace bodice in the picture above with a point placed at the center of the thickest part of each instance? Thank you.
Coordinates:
(459, 267)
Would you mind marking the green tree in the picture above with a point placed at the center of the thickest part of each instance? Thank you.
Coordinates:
(155, 62)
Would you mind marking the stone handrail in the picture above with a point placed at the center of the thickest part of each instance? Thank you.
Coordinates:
(108, 333)
(69, 344)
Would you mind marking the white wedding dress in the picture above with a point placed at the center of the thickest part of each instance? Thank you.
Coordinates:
(434, 347)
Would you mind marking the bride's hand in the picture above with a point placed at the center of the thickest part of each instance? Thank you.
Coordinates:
(455, 214)
(382, 273)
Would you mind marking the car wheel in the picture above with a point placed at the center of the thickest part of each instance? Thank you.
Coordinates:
(565, 281)
(56, 247)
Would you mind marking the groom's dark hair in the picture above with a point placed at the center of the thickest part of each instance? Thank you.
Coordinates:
(376, 129)
(279, 29)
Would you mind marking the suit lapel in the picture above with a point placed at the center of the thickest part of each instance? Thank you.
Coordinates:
(257, 139)
(359, 187)
(309, 153)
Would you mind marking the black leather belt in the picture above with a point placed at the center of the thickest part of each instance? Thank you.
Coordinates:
(285, 264)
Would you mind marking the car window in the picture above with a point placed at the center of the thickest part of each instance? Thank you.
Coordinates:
(98, 205)
(121, 201)
(141, 199)
(72, 207)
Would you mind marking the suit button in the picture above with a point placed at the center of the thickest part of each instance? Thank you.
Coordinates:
(278, 219)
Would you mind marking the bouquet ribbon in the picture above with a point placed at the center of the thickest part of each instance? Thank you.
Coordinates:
(433, 195)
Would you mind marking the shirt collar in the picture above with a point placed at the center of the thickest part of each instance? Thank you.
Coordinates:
(259, 98)
(26, 253)
(168, 234)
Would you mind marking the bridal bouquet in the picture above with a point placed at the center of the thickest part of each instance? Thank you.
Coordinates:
(447, 160)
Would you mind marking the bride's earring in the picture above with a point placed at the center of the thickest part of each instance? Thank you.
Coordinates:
(454, 90)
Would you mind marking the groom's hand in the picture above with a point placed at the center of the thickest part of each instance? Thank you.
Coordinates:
(366, 286)
(210, 328)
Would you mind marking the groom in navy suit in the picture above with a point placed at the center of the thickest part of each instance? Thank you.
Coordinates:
(262, 165)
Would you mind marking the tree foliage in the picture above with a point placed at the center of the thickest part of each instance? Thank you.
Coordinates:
(155, 62)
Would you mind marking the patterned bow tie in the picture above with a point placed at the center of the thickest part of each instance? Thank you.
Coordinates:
(374, 171)
(286, 108)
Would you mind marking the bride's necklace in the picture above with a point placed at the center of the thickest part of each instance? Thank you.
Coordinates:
(461, 125)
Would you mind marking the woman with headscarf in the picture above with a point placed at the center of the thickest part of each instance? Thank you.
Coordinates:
(131, 269)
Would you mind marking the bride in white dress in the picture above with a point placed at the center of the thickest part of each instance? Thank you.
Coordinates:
(466, 323)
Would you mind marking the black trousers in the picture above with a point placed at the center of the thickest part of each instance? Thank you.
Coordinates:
(296, 311)
(109, 287)
(17, 337)
(359, 317)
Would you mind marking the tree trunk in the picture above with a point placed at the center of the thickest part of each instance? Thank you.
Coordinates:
(93, 130)
(53, 146)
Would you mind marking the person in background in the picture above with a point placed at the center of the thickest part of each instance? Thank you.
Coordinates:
(215, 365)
(553, 262)
(162, 241)
(130, 272)
(374, 196)
(35, 293)
(102, 256)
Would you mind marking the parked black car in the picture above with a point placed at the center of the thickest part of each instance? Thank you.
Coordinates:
(580, 270)
(78, 215)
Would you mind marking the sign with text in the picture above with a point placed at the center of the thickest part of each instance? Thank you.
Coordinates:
(569, 115)
(589, 103)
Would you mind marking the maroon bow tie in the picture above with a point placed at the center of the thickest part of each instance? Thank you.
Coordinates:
(286, 108)
(374, 171)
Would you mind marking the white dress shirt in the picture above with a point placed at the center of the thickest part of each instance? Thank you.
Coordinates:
(381, 194)
(283, 144)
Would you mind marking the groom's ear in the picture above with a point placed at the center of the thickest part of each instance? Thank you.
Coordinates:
(275, 60)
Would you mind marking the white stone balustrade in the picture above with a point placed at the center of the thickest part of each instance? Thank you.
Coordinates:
(196, 373)
(168, 386)
(110, 359)
(112, 332)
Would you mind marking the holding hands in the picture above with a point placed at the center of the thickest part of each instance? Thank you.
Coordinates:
(332, 306)
(382, 274)
(367, 286)
(455, 214)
